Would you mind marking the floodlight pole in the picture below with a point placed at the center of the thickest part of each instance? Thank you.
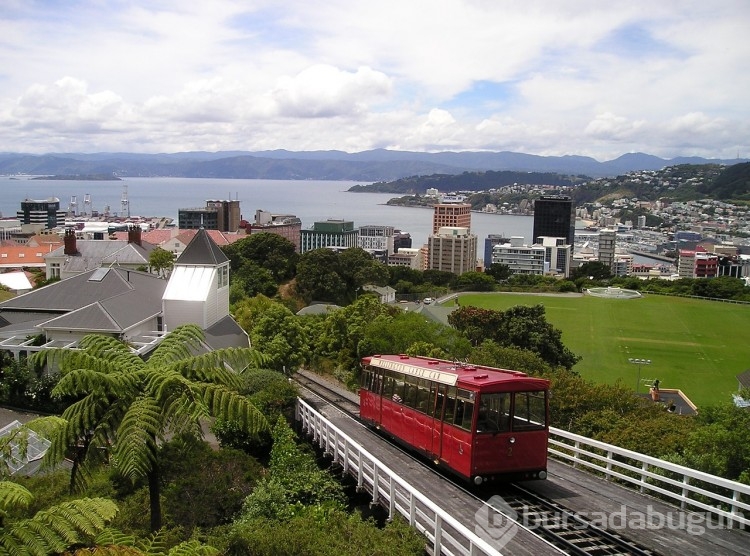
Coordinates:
(640, 363)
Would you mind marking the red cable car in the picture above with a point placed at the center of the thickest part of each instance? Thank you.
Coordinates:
(480, 423)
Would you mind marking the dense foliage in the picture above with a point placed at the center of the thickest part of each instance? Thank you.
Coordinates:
(520, 327)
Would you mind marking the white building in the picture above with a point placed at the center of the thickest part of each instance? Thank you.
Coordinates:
(520, 258)
(411, 257)
(376, 238)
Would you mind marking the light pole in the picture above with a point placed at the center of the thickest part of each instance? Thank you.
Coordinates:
(640, 363)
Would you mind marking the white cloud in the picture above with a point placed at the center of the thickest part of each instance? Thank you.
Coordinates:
(562, 78)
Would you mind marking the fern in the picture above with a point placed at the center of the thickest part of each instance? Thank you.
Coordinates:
(57, 528)
(13, 495)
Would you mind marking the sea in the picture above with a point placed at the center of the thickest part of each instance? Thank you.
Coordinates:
(309, 200)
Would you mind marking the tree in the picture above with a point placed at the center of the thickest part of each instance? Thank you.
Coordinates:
(275, 331)
(498, 271)
(521, 327)
(161, 261)
(318, 278)
(266, 250)
(595, 269)
(475, 281)
(126, 406)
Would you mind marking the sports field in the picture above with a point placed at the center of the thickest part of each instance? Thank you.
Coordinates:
(696, 346)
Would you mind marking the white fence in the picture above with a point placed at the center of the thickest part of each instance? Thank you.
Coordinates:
(673, 482)
(445, 534)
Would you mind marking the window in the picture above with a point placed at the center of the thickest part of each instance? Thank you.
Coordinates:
(494, 413)
(530, 411)
(223, 276)
(464, 409)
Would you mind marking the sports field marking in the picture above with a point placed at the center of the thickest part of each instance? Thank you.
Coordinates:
(656, 341)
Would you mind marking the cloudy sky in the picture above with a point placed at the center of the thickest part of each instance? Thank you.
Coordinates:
(548, 77)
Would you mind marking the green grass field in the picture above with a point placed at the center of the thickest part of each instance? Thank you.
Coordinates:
(696, 346)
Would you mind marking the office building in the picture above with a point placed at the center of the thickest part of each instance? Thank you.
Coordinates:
(607, 240)
(377, 239)
(44, 213)
(409, 257)
(451, 215)
(557, 255)
(554, 216)
(224, 216)
(489, 242)
(287, 226)
(331, 233)
(452, 249)
(520, 258)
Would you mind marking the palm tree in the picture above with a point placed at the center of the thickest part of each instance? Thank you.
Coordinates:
(127, 406)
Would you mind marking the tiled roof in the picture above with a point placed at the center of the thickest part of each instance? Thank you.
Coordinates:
(13, 256)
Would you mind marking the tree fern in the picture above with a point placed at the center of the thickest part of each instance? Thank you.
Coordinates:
(57, 528)
(127, 406)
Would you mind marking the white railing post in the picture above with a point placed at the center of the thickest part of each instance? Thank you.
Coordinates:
(392, 498)
(608, 476)
(437, 549)
(685, 492)
(644, 478)
(576, 446)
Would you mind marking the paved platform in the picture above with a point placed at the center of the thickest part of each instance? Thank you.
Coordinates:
(650, 522)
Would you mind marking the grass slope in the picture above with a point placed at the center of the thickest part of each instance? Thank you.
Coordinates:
(696, 346)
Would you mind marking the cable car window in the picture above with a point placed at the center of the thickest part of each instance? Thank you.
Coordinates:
(411, 389)
(464, 409)
(529, 411)
(424, 400)
(439, 401)
(389, 383)
(398, 388)
(450, 405)
(494, 413)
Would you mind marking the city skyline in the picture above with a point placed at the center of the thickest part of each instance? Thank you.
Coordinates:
(539, 77)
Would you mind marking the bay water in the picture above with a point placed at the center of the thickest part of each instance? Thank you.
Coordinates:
(309, 200)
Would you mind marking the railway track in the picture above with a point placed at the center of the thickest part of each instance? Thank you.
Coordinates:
(569, 532)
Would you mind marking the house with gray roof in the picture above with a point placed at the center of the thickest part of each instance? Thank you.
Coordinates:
(136, 307)
(81, 255)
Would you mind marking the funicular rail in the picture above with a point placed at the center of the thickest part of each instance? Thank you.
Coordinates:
(676, 483)
(445, 534)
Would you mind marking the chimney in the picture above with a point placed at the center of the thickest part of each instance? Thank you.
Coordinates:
(69, 242)
(134, 235)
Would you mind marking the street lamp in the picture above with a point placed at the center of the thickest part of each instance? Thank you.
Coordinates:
(640, 363)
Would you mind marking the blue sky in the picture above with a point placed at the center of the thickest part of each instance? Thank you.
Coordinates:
(538, 76)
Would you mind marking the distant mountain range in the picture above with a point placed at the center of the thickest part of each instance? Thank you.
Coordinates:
(366, 166)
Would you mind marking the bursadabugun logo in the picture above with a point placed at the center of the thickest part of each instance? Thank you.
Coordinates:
(496, 522)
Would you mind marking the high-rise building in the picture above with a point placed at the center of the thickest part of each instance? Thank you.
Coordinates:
(451, 215)
(217, 215)
(45, 213)
(607, 240)
(452, 249)
(554, 216)
(334, 234)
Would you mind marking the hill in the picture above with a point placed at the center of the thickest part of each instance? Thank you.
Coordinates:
(732, 183)
(370, 166)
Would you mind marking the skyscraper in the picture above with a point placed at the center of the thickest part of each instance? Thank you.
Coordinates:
(554, 216)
